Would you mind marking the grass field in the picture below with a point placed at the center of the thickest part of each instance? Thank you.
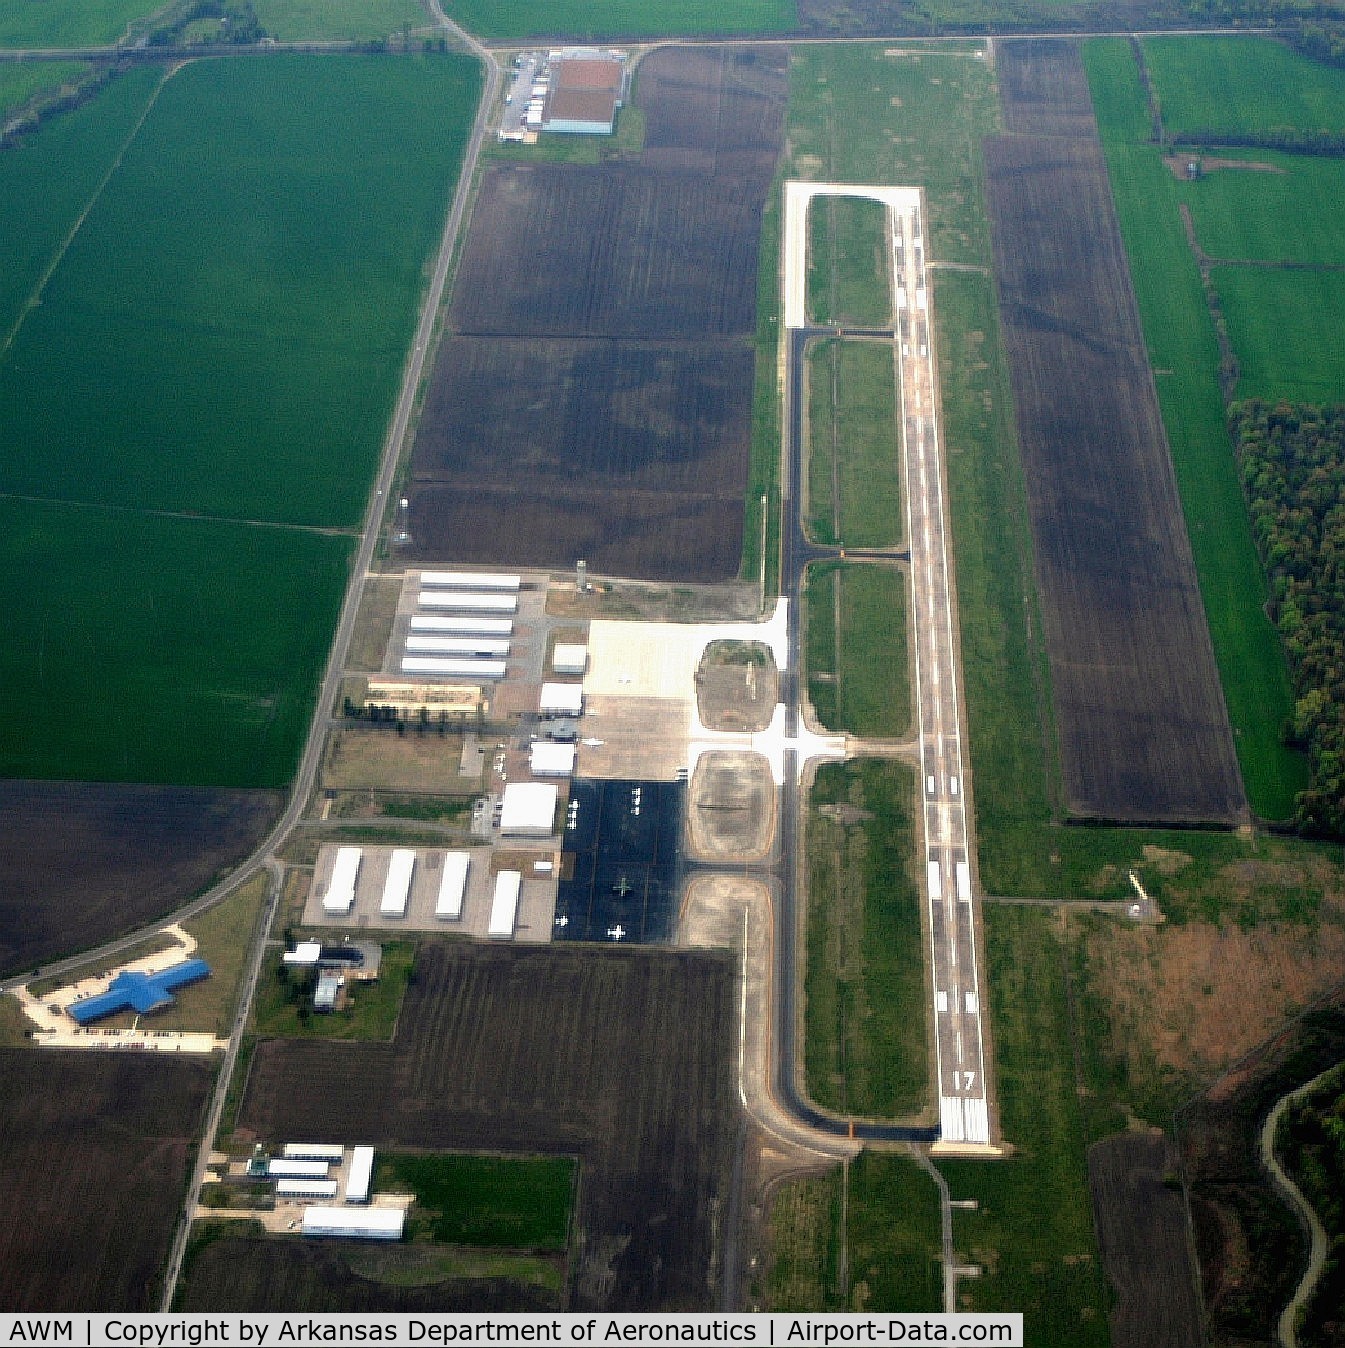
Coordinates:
(854, 454)
(520, 1203)
(1184, 353)
(866, 1050)
(849, 276)
(1242, 85)
(239, 361)
(1288, 214)
(885, 1257)
(1286, 328)
(1032, 1232)
(18, 83)
(337, 20)
(282, 1008)
(858, 672)
(578, 21)
(70, 23)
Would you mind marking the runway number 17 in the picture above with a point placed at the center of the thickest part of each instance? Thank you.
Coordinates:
(963, 1081)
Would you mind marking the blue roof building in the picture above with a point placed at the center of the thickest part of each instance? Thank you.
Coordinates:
(138, 992)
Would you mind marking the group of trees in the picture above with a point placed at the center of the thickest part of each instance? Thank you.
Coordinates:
(1292, 459)
(1311, 1141)
(239, 24)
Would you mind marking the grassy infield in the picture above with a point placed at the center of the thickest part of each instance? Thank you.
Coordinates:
(1033, 1228)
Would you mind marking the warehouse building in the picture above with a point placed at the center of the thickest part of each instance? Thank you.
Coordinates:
(361, 1175)
(528, 809)
(397, 887)
(453, 885)
(471, 580)
(340, 896)
(355, 1223)
(584, 92)
(504, 907)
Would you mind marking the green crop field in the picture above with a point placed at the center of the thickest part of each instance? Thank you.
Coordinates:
(48, 178)
(858, 673)
(1242, 85)
(866, 1050)
(70, 23)
(1185, 356)
(1289, 213)
(854, 451)
(241, 359)
(337, 20)
(1288, 328)
(220, 342)
(849, 277)
(153, 649)
(513, 1202)
(581, 21)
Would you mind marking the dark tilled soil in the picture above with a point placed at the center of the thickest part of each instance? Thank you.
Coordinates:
(624, 436)
(619, 1057)
(81, 863)
(1140, 1216)
(1144, 733)
(95, 1150)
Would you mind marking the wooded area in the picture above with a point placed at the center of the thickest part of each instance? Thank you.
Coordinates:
(1292, 459)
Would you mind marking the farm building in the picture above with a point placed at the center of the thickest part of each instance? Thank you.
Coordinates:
(302, 1188)
(340, 896)
(485, 627)
(361, 1175)
(453, 885)
(586, 89)
(357, 1223)
(397, 887)
(561, 699)
(528, 809)
(454, 667)
(569, 658)
(313, 1151)
(471, 580)
(280, 1167)
(138, 992)
(504, 906)
(469, 601)
(480, 647)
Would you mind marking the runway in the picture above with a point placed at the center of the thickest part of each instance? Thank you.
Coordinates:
(965, 1096)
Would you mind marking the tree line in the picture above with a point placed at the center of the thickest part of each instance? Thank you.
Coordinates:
(1292, 461)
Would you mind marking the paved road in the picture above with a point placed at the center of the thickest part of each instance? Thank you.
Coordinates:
(313, 749)
(964, 1096)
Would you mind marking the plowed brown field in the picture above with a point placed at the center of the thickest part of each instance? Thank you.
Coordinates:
(1143, 728)
(81, 863)
(94, 1154)
(621, 1058)
(593, 398)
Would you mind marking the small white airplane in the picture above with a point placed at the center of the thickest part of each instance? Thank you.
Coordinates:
(617, 932)
(562, 921)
